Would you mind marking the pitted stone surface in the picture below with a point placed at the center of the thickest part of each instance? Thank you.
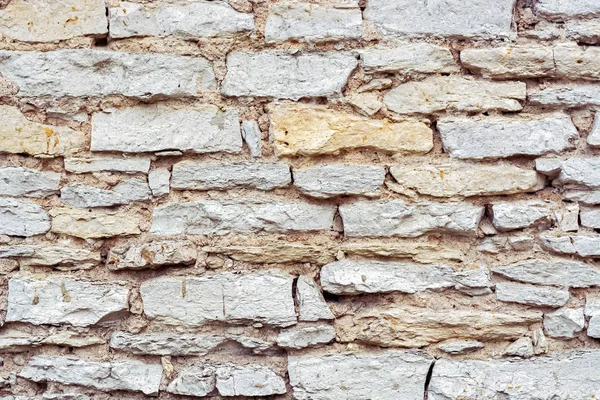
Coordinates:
(151, 255)
(562, 273)
(325, 181)
(416, 58)
(27, 182)
(22, 218)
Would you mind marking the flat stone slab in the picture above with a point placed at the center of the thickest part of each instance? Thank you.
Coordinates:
(22, 218)
(326, 181)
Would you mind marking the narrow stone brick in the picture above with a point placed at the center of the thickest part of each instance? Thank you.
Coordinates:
(22, 218)
(396, 218)
(18, 342)
(563, 376)
(452, 93)
(186, 20)
(19, 135)
(93, 225)
(97, 164)
(510, 62)
(57, 256)
(314, 130)
(326, 181)
(307, 336)
(419, 251)
(65, 301)
(228, 297)
(498, 137)
(456, 347)
(591, 197)
(151, 255)
(359, 375)
(81, 195)
(593, 138)
(560, 10)
(573, 95)
(86, 72)
(129, 375)
(453, 18)
(284, 75)
(27, 182)
(276, 252)
(413, 59)
(463, 179)
(26, 21)
(542, 296)
(312, 23)
(220, 217)
(223, 176)
(561, 273)
(509, 216)
(142, 129)
(252, 137)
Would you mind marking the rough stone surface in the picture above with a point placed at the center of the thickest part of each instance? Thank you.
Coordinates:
(226, 297)
(397, 218)
(81, 195)
(571, 96)
(543, 296)
(416, 58)
(220, 217)
(52, 20)
(563, 376)
(18, 342)
(358, 376)
(57, 256)
(519, 214)
(252, 137)
(128, 375)
(590, 218)
(22, 218)
(152, 255)
(223, 176)
(510, 62)
(463, 179)
(20, 135)
(140, 129)
(27, 182)
(564, 322)
(453, 18)
(586, 246)
(593, 138)
(456, 347)
(65, 301)
(348, 277)
(555, 273)
(312, 23)
(522, 347)
(579, 173)
(308, 336)
(311, 304)
(286, 75)
(312, 130)
(325, 181)
(90, 225)
(74, 73)
(560, 9)
(453, 93)
(584, 31)
(186, 20)
(97, 164)
(277, 252)
(586, 197)
(498, 137)
(159, 181)
(573, 61)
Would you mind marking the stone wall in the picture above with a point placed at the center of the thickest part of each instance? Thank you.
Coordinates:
(334, 199)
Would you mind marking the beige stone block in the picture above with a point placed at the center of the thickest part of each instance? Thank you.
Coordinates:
(93, 225)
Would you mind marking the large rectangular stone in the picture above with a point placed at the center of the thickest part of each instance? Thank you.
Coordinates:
(27, 182)
(129, 375)
(228, 297)
(561, 9)
(463, 179)
(186, 20)
(510, 61)
(455, 93)
(562, 273)
(397, 218)
(407, 326)
(286, 75)
(93, 225)
(416, 58)
(391, 375)
(22, 218)
(314, 130)
(348, 277)
(223, 176)
(20, 135)
(220, 217)
(326, 181)
(56, 301)
(498, 137)
(312, 23)
(87, 72)
(562, 376)
(137, 129)
(451, 18)
(51, 21)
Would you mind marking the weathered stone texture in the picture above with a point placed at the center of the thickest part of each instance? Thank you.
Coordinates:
(220, 217)
(560, 9)
(22, 218)
(590, 218)
(100, 73)
(286, 75)
(20, 135)
(454, 18)
(57, 256)
(390, 374)
(397, 218)
(80, 195)
(252, 137)
(311, 304)
(129, 375)
(313, 130)
(142, 129)
(276, 252)
(498, 137)
(308, 336)
(325, 181)
(572, 95)
(563, 273)
(452, 93)
(456, 347)
(560, 376)
(510, 62)
(187, 20)
(226, 297)
(584, 31)
(416, 58)
(312, 23)
(129, 165)
(223, 176)
(544, 296)
(159, 181)
(52, 20)
(152, 255)
(579, 172)
(65, 301)
(89, 225)
(27, 182)
(564, 322)
(463, 179)
(509, 216)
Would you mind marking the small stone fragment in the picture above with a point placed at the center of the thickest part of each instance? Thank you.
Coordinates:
(522, 347)
(367, 103)
(248, 380)
(585, 197)
(542, 296)
(569, 218)
(159, 181)
(457, 347)
(326, 181)
(252, 137)
(560, 244)
(579, 173)
(540, 343)
(311, 304)
(510, 62)
(564, 322)
(308, 336)
(558, 9)
(198, 380)
(548, 166)
(590, 218)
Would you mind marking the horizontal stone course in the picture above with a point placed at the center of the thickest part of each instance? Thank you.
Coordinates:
(416, 58)
(326, 181)
(22, 218)
(93, 225)
(27, 182)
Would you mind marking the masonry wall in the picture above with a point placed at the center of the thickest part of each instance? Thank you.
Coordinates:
(384, 199)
